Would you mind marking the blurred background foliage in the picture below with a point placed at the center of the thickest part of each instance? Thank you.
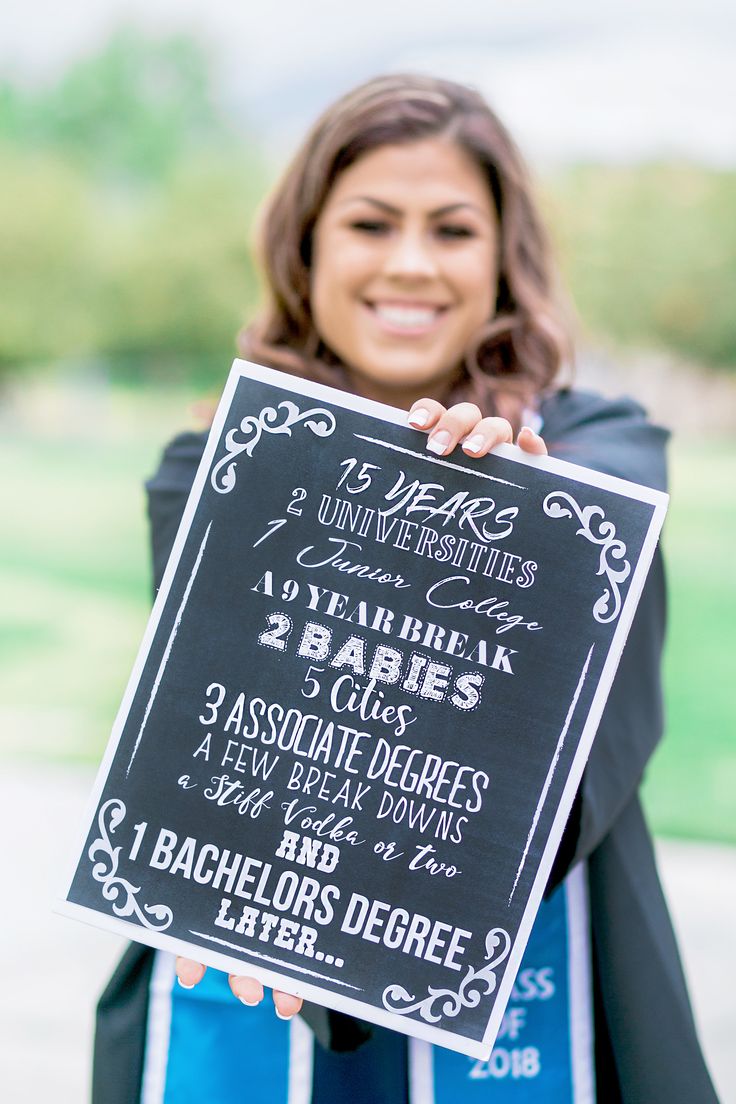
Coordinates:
(127, 198)
(125, 205)
(649, 252)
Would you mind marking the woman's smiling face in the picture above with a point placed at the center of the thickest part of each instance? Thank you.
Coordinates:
(404, 268)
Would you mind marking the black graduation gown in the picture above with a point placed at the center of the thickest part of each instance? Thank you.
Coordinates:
(647, 1050)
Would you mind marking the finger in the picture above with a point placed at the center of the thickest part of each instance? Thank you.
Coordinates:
(246, 989)
(486, 434)
(531, 442)
(425, 413)
(286, 1005)
(454, 424)
(189, 972)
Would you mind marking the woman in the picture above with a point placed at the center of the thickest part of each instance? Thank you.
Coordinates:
(405, 262)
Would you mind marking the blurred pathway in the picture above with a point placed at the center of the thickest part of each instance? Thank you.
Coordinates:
(52, 968)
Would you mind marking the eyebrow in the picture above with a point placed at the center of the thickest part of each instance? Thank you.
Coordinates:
(438, 212)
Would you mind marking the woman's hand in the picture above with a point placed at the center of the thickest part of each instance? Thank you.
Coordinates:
(246, 989)
(464, 422)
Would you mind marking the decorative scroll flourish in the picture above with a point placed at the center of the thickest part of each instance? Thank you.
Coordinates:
(110, 816)
(608, 606)
(320, 421)
(475, 985)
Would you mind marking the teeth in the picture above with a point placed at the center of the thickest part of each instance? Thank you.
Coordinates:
(406, 316)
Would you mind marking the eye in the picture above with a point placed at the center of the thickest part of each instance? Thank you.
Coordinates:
(453, 231)
(375, 227)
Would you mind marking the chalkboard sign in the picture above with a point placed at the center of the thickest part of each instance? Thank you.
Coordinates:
(362, 708)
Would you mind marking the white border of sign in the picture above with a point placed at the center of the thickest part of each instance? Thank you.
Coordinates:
(307, 990)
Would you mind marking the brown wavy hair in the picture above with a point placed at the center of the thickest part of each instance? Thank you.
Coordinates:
(519, 351)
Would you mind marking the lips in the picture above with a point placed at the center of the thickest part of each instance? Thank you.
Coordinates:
(406, 318)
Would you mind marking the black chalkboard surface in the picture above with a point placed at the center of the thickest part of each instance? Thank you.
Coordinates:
(362, 708)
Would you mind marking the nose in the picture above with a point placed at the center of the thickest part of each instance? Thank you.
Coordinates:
(411, 256)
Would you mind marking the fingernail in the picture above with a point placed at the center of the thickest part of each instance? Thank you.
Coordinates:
(281, 1015)
(527, 429)
(183, 985)
(418, 418)
(474, 444)
(438, 442)
(250, 1003)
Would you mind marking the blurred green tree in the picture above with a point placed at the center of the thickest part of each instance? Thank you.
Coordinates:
(650, 254)
(130, 111)
(126, 197)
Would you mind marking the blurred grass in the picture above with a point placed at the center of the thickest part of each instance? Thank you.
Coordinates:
(75, 585)
(74, 573)
(690, 788)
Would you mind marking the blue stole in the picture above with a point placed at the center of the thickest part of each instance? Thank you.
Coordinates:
(544, 1050)
(202, 1044)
